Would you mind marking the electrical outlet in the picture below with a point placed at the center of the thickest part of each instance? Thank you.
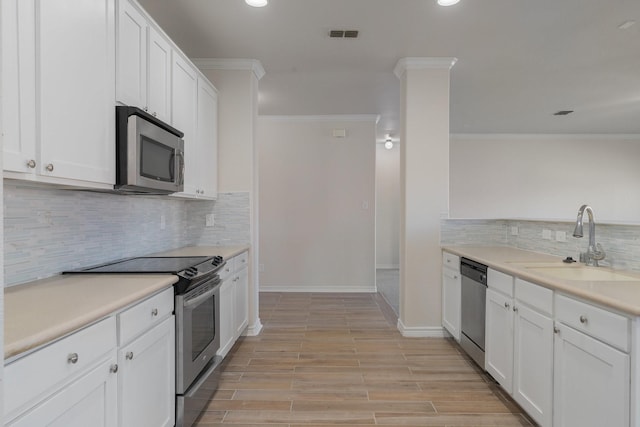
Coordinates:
(514, 230)
(561, 236)
(163, 222)
(546, 234)
(208, 220)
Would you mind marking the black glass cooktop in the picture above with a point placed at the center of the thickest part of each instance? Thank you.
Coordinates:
(148, 265)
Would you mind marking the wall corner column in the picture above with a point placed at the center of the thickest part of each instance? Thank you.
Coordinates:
(424, 190)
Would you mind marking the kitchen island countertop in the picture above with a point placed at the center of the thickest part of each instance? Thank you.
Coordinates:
(619, 295)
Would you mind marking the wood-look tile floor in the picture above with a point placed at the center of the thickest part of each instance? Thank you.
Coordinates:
(338, 360)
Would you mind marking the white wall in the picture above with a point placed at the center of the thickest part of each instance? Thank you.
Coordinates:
(545, 176)
(317, 213)
(387, 206)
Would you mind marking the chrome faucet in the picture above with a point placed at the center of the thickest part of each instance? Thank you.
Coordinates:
(595, 252)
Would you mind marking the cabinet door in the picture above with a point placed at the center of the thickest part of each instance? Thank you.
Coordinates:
(132, 55)
(591, 382)
(17, 29)
(88, 401)
(533, 364)
(242, 301)
(146, 385)
(451, 301)
(499, 338)
(183, 111)
(159, 76)
(207, 139)
(76, 57)
(227, 316)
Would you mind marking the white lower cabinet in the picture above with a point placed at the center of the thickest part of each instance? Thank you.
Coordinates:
(117, 372)
(591, 378)
(499, 338)
(234, 301)
(519, 345)
(88, 401)
(451, 294)
(146, 385)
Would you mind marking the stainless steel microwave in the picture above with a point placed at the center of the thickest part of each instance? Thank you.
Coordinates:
(149, 154)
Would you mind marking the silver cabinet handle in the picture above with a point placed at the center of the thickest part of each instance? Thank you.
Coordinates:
(556, 330)
(129, 355)
(49, 167)
(154, 114)
(113, 368)
(146, 108)
(507, 305)
(72, 358)
(515, 309)
(154, 312)
(31, 163)
(583, 319)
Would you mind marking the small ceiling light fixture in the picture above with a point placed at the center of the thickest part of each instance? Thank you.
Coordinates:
(257, 3)
(388, 144)
(447, 2)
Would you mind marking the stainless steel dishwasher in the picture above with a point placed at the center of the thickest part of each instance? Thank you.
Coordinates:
(474, 293)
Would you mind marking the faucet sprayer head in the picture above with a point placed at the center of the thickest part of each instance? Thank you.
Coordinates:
(577, 232)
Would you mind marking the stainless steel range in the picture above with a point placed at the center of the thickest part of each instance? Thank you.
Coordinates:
(197, 312)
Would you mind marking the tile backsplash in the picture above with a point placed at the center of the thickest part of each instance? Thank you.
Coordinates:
(49, 230)
(620, 242)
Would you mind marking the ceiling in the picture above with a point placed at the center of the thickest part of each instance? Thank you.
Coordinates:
(519, 61)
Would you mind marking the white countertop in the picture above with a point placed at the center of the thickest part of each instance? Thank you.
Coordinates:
(42, 311)
(620, 295)
(39, 312)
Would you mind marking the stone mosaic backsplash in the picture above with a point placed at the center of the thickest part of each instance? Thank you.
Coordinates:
(48, 230)
(620, 242)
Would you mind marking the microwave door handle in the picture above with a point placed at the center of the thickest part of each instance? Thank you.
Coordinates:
(180, 157)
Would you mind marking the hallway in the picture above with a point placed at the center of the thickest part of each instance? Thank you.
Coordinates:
(338, 360)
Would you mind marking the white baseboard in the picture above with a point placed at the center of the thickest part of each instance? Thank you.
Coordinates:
(387, 267)
(319, 289)
(254, 330)
(421, 331)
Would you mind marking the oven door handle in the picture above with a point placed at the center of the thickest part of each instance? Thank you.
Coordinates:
(205, 296)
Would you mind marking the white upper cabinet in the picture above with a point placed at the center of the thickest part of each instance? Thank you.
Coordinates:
(143, 63)
(60, 91)
(207, 173)
(184, 95)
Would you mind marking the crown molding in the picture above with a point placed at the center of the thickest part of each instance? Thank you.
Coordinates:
(405, 64)
(329, 118)
(231, 64)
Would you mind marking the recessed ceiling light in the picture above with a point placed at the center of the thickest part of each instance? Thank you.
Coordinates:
(447, 2)
(257, 3)
(388, 144)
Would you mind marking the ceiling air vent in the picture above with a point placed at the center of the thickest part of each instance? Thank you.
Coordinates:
(563, 113)
(343, 34)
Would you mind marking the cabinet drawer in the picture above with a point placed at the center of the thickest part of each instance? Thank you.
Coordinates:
(451, 261)
(228, 269)
(500, 282)
(37, 375)
(535, 296)
(242, 261)
(611, 328)
(144, 315)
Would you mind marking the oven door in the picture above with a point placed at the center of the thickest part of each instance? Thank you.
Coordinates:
(197, 331)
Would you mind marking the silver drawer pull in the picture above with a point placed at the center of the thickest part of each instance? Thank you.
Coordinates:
(154, 312)
(49, 167)
(114, 368)
(129, 355)
(515, 309)
(507, 305)
(583, 319)
(556, 330)
(31, 164)
(72, 358)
